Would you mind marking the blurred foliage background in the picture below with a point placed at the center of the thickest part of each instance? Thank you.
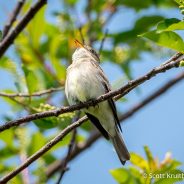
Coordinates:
(38, 61)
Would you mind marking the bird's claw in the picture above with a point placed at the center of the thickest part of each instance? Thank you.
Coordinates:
(94, 103)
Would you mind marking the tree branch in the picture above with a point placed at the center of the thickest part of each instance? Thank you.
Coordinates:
(36, 94)
(109, 18)
(63, 166)
(102, 42)
(173, 58)
(43, 150)
(53, 168)
(152, 97)
(13, 17)
(120, 92)
(8, 40)
(71, 146)
(60, 136)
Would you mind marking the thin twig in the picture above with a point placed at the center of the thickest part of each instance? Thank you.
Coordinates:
(25, 106)
(123, 91)
(173, 58)
(36, 94)
(48, 146)
(81, 34)
(102, 42)
(109, 18)
(43, 150)
(13, 17)
(63, 167)
(152, 97)
(54, 167)
(8, 40)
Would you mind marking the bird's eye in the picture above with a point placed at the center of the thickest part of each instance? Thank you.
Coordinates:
(93, 51)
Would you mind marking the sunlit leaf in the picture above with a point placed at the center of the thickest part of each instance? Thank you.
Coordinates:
(151, 161)
(139, 161)
(136, 4)
(36, 28)
(167, 39)
(61, 121)
(31, 79)
(124, 176)
(8, 152)
(7, 137)
(8, 64)
(170, 25)
(121, 175)
(181, 63)
(37, 141)
(147, 21)
(180, 2)
(172, 176)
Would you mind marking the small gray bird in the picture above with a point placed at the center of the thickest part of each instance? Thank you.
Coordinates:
(86, 81)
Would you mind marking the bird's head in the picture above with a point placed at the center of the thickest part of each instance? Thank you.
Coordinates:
(84, 51)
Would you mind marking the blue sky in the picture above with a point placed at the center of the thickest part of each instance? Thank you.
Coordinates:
(160, 125)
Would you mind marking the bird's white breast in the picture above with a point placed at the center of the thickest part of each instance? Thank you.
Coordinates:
(83, 83)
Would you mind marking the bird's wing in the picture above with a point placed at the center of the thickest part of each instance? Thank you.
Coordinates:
(96, 122)
(107, 88)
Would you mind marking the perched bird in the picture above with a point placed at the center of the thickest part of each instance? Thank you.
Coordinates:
(86, 81)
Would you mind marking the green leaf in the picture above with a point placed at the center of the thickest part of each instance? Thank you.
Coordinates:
(8, 64)
(37, 141)
(57, 44)
(171, 177)
(181, 63)
(167, 39)
(169, 166)
(7, 137)
(49, 158)
(71, 2)
(180, 2)
(125, 176)
(7, 152)
(136, 4)
(139, 161)
(148, 22)
(46, 123)
(137, 174)
(151, 161)
(62, 120)
(31, 79)
(131, 35)
(121, 175)
(36, 28)
(170, 25)
(148, 154)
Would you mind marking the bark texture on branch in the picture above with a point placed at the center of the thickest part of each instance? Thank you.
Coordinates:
(121, 91)
(8, 40)
(53, 168)
(43, 150)
(13, 17)
(116, 94)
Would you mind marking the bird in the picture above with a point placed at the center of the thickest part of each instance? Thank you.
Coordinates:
(85, 80)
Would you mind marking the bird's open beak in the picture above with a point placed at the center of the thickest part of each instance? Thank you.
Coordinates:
(79, 44)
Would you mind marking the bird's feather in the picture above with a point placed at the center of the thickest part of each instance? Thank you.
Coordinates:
(96, 122)
(107, 88)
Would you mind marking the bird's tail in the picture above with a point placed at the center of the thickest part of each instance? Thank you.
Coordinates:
(120, 147)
